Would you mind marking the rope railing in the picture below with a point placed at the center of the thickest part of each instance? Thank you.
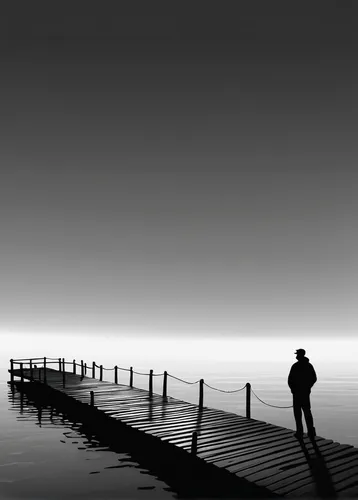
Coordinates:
(140, 373)
(147, 374)
(222, 390)
(33, 359)
(268, 404)
(84, 367)
(182, 380)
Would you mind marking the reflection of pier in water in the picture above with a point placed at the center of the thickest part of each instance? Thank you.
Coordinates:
(261, 459)
(152, 475)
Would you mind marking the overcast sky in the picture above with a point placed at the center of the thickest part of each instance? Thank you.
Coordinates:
(180, 167)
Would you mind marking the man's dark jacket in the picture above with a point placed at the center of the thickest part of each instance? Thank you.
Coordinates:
(302, 376)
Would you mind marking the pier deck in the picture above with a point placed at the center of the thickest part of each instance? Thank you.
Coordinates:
(263, 454)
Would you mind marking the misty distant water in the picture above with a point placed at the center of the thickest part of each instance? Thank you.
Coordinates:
(224, 364)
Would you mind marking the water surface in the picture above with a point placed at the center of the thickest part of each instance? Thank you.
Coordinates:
(44, 455)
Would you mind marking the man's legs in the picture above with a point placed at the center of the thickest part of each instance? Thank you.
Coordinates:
(306, 406)
(297, 412)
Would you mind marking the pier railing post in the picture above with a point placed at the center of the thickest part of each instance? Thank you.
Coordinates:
(201, 394)
(45, 374)
(150, 383)
(131, 376)
(92, 398)
(93, 369)
(82, 368)
(116, 374)
(165, 383)
(59, 365)
(101, 373)
(85, 368)
(248, 400)
(74, 367)
(12, 371)
(194, 443)
(63, 374)
(22, 372)
(63, 365)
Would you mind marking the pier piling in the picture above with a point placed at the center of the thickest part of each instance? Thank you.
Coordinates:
(45, 378)
(150, 383)
(201, 394)
(131, 376)
(194, 443)
(248, 400)
(165, 384)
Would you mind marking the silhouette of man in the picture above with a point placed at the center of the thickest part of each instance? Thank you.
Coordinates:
(301, 379)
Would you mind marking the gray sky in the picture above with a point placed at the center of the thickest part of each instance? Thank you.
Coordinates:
(179, 167)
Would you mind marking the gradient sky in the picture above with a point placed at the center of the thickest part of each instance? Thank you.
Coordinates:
(179, 167)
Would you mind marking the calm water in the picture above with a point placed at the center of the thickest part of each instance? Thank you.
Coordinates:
(46, 456)
(37, 458)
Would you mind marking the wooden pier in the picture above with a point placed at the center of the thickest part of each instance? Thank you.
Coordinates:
(266, 457)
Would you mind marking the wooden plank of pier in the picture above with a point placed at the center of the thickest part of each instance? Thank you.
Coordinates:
(261, 453)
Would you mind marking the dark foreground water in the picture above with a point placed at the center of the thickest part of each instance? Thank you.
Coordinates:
(45, 456)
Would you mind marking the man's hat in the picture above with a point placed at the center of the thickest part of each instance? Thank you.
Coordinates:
(300, 351)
